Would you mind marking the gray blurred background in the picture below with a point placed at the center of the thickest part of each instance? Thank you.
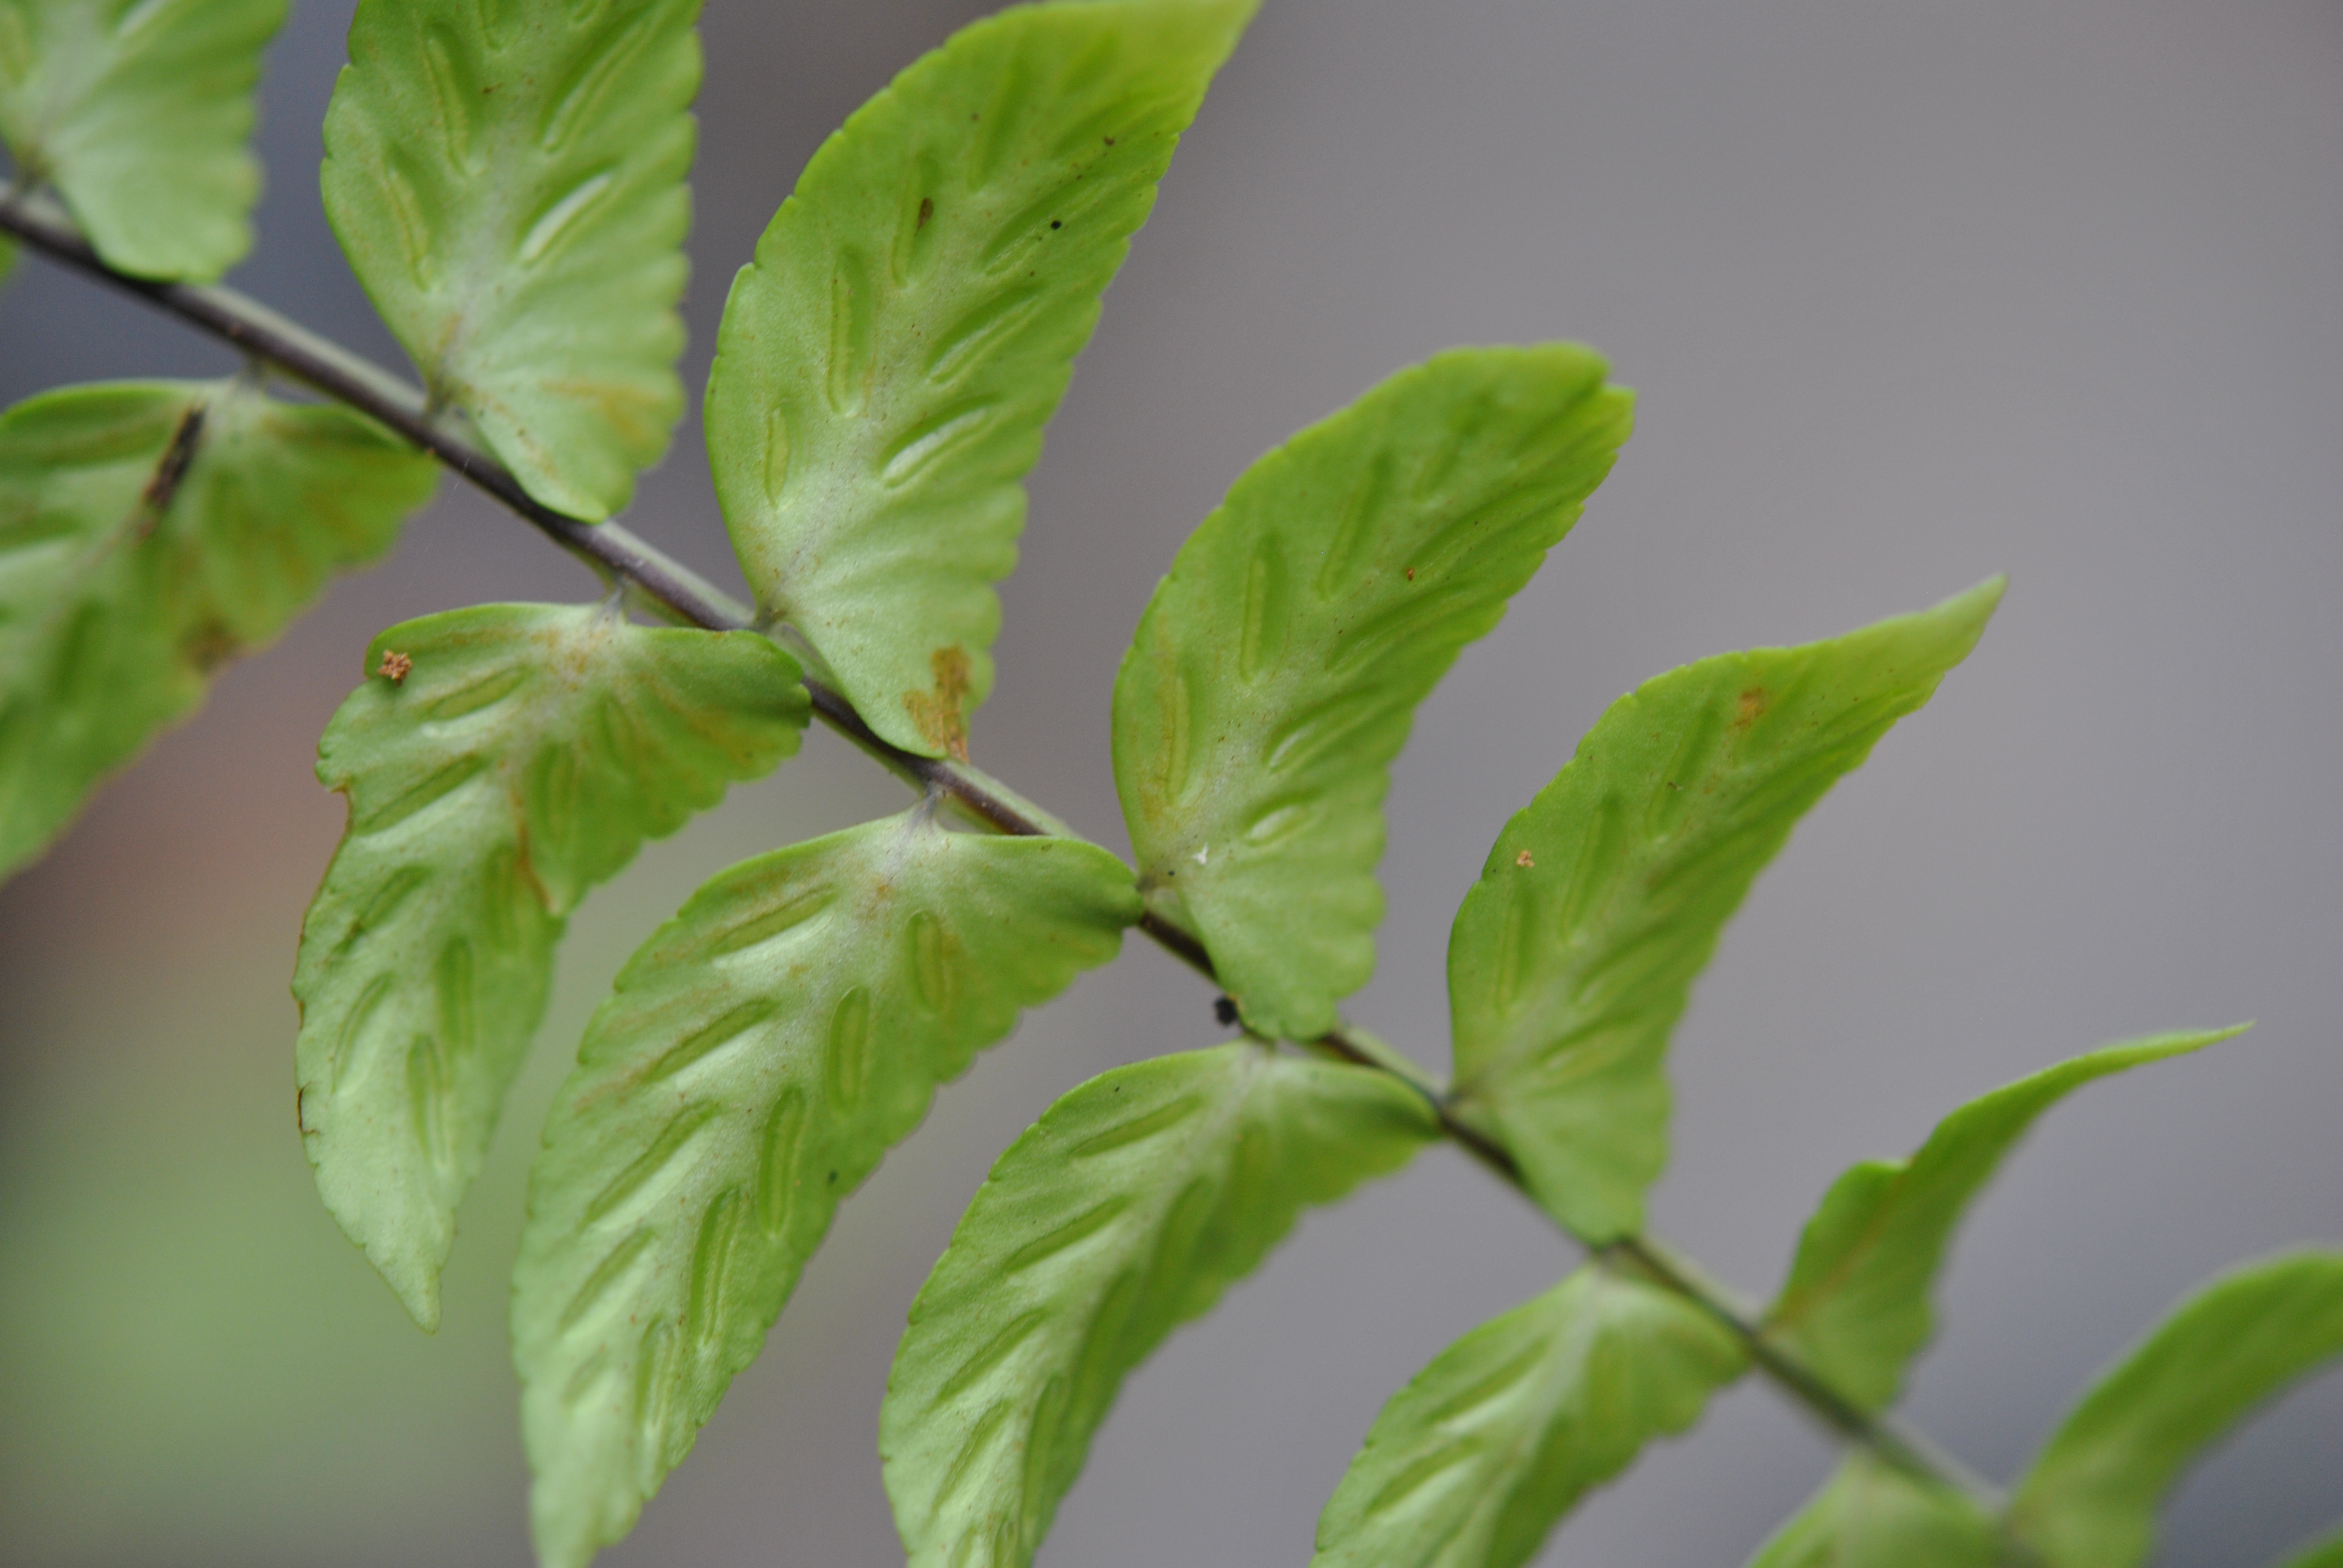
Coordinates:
(1913, 293)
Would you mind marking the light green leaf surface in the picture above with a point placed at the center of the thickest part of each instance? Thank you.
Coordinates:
(759, 1054)
(507, 178)
(2325, 1552)
(1872, 1515)
(1474, 1462)
(2091, 1497)
(149, 532)
(498, 761)
(909, 323)
(140, 113)
(1574, 953)
(1123, 1213)
(1855, 1309)
(1277, 669)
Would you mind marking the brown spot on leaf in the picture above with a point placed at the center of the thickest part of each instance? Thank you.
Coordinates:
(940, 714)
(1525, 860)
(395, 666)
(927, 211)
(1753, 706)
(633, 412)
(208, 646)
(176, 456)
(1410, 574)
(170, 471)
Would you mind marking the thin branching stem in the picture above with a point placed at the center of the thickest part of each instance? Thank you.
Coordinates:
(664, 587)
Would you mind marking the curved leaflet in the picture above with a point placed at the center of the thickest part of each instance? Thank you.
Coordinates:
(759, 1056)
(1123, 1212)
(498, 761)
(1277, 668)
(140, 113)
(2091, 1497)
(1873, 1515)
(909, 323)
(1855, 1308)
(1574, 953)
(508, 181)
(150, 532)
(1477, 1460)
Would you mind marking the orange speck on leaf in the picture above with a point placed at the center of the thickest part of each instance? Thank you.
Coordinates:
(1525, 860)
(1754, 703)
(394, 666)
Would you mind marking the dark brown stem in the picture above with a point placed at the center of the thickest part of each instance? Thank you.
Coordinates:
(669, 588)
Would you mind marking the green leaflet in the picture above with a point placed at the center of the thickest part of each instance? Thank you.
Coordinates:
(1574, 953)
(759, 1054)
(1278, 667)
(1872, 1515)
(7, 260)
(507, 178)
(886, 365)
(1474, 1462)
(2091, 1497)
(1123, 1213)
(150, 531)
(499, 761)
(139, 112)
(1855, 1309)
(2325, 1552)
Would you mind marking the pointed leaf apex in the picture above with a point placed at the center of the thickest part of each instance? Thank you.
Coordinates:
(415, 1282)
(1987, 596)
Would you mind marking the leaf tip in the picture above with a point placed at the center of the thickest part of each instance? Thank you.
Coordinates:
(2181, 1042)
(1979, 603)
(1958, 623)
(2198, 1040)
(1226, 20)
(414, 1280)
(560, 1545)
